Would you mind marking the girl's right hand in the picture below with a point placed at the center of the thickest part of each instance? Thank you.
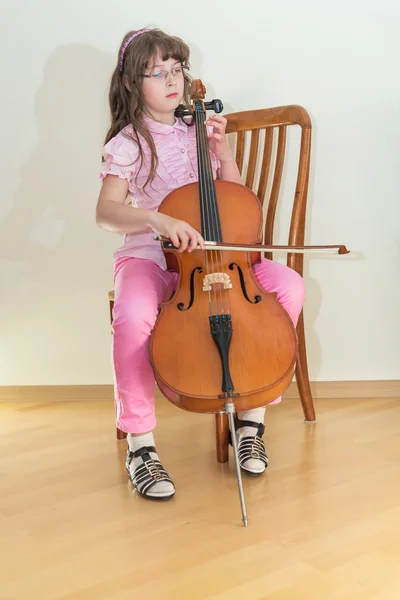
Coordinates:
(181, 234)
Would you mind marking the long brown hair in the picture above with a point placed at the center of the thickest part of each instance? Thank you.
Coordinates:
(126, 96)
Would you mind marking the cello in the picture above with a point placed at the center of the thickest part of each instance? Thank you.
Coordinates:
(234, 347)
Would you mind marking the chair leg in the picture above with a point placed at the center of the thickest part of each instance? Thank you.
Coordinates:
(111, 307)
(121, 435)
(222, 437)
(302, 378)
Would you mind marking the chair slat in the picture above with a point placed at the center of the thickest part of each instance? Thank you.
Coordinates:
(251, 169)
(240, 149)
(265, 165)
(276, 184)
(298, 220)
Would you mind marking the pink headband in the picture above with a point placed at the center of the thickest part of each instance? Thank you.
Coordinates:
(124, 47)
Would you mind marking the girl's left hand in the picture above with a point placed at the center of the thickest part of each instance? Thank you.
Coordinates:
(218, 142)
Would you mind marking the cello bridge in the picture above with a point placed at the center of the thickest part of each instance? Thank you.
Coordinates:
(214, 278)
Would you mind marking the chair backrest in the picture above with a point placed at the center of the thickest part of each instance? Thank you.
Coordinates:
(252, 123)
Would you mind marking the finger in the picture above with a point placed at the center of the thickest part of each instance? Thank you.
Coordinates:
(218, 123)
(184, 241)
(216, 136)
(175, 240)
(192, 242)
(217, 129)
(194, 239)
(198, 241)
(217, 118)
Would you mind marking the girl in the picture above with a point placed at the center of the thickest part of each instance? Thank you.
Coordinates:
(148, 152)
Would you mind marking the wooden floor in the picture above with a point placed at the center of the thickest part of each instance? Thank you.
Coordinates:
(324, 523)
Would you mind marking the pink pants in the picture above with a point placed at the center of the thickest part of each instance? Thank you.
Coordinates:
(140, 286)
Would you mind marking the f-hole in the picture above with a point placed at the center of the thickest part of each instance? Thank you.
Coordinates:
(181, 305)
(257, 299)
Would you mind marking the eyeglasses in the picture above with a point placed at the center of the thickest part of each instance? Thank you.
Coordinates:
(160, 75)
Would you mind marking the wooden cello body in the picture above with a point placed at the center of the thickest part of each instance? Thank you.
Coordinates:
(255, 359)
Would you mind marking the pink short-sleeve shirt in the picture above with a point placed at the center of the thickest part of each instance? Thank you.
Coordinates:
(177, 166)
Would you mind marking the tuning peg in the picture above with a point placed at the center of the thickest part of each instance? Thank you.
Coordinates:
(215, 105)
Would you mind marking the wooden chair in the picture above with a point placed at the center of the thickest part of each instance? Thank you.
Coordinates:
(247, 128)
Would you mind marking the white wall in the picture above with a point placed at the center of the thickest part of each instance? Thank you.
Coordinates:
(339, 60)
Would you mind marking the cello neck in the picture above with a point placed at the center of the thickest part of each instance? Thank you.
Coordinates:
(210, 221)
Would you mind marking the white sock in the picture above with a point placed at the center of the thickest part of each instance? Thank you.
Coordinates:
(161, 488)
(257, 415)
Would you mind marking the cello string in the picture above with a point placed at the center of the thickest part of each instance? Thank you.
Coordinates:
(206, 200)
(204, 207)
(224, 295)
(213, 215)
(214, 207)
(206, 212)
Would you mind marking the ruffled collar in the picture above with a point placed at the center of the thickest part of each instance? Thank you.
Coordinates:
(157, 127)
